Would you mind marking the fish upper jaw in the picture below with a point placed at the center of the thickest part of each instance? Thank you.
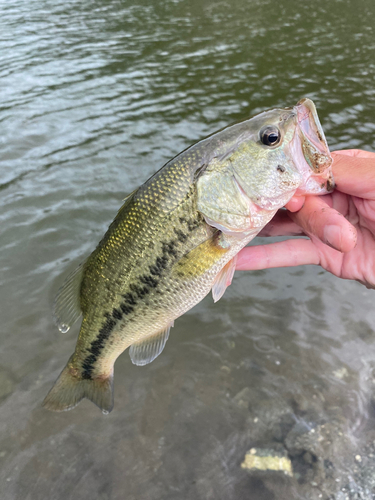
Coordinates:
(310, 152)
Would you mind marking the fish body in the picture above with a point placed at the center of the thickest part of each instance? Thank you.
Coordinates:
(176, 237)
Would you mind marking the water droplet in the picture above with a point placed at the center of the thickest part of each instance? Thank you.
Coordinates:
(63, 327)
(105, 412)
(264, 344)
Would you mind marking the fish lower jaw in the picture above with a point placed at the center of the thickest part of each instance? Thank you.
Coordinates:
(310, 153)
(317, 184)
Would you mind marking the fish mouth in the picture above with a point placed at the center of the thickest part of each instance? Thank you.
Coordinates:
(310, 151)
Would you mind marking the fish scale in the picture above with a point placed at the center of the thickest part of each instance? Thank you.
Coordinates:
(138, 304)
(175, 238)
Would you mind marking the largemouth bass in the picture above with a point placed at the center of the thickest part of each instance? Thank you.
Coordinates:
(176, 238)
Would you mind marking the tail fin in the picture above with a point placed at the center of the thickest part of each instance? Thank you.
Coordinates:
(69, 390)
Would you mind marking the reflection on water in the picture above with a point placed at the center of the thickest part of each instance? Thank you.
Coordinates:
(95, 96)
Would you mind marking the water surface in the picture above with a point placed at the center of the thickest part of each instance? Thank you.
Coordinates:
(95, 97)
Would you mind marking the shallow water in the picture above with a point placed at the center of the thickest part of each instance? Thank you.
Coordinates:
(95, 97)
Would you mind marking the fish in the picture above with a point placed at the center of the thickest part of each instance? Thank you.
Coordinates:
(177, 237)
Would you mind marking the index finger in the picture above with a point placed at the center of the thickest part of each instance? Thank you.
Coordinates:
(359, 153)
(354, 174)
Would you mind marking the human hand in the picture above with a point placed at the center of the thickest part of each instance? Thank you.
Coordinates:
(340, 225)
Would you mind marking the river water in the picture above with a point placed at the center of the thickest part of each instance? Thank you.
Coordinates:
(95, 97)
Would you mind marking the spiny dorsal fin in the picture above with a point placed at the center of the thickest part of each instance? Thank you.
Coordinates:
(223, 279)
(143, 352)
(126, 202)
(67, 308)
(127, 197)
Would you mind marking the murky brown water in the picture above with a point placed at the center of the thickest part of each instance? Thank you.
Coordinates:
(96, 96)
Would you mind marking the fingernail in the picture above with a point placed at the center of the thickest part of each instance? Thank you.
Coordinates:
(332, 236)
(295, 204)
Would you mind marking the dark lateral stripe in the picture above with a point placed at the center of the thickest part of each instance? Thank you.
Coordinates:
(96, 346)
(145, 284)
(181, 236)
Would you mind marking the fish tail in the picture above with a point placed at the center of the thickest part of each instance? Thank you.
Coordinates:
(70, 389)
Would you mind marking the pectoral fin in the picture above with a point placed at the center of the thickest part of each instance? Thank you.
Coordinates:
(224, 279)
(143, 352)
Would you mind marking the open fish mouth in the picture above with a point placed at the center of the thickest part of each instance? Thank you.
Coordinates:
(310, 151)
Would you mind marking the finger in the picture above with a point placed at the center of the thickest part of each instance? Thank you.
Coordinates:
(281, 225)
(317, 218)
(295, 204)
(287, 253)
(359, 153)
(355, 175)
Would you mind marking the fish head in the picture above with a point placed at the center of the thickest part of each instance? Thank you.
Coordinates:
(261, 164)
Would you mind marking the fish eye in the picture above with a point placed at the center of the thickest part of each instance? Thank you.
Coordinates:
(270, 136)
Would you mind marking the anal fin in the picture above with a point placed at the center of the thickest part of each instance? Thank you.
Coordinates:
(143, 352)
(224, 279)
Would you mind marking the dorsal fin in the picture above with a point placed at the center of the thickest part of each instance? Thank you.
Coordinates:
(223, 279)
(143, 352)
(67, 308)
(126, 201)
